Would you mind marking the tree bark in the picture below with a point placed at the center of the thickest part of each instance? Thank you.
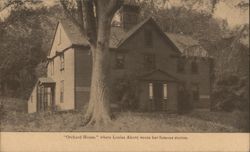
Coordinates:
(95, 22)
(98, 112)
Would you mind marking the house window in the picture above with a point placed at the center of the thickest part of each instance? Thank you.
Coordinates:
(62, 91)
(194, 67)
(180, 66)
(195, 92)
(120, 61)
(62, 62)
(52, 67)
(148, 38)
(165, 91)
(150, 87)
(149, 61)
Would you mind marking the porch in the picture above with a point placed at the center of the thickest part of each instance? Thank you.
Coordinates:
(45, 94)
(158, 91)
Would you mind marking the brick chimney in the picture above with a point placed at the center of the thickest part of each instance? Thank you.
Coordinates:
(129, 14)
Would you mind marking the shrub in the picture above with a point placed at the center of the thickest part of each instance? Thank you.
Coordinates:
(125, 93)
(231, 92)
(184, 103)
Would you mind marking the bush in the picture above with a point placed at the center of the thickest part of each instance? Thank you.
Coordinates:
(231, 92)
(1, 109)
(125, 94)
(184, 103)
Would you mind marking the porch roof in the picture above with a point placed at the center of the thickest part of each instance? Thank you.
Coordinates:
(158, 74)
(46, 80)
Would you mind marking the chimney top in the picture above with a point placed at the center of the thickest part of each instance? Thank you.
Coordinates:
(129, 14)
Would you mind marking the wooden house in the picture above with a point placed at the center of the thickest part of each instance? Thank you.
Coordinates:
(161, 65)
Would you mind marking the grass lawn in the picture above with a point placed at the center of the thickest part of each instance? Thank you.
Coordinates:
(196, 121)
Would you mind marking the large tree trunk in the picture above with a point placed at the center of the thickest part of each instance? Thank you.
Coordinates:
(95, 21)
(98, 112)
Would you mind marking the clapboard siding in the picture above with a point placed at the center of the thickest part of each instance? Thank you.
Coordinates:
(83, 68)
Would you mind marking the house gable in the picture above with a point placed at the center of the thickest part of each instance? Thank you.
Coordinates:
(60, 42)
(137, 34)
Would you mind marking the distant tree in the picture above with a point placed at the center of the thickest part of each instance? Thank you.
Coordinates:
(21, 49)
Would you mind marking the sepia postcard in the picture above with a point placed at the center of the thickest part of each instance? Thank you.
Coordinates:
(124, 75)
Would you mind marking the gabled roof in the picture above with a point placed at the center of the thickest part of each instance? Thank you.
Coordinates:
(183, 44)
(73, 32)
(187, 45)
(138, 26)
(158, 74)
(76, 37)
(116, 35)
(132, 31)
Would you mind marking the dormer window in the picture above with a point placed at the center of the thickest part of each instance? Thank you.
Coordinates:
(62, 62)
(148, 38)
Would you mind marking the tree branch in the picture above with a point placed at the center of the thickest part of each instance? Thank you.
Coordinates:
(69, 14)
(80, 12)
(89, 20)
(84, 20)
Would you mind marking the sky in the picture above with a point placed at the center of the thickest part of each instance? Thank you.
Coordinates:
(234, 16)
(225, 9)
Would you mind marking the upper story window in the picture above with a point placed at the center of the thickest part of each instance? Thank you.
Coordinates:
(62, 62)
(52, 67)
(180, 66)
(149, 61)
(148, 38)
(120, 61)
(194, 67)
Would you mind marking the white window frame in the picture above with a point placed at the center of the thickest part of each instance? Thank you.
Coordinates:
(150, 89)
(165, 91)
(62, 62)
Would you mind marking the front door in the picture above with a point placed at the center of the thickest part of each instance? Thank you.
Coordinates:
(158, 95)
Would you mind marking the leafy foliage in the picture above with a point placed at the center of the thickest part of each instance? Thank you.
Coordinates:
(232, 92)
(25, 39)
(125, 93)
